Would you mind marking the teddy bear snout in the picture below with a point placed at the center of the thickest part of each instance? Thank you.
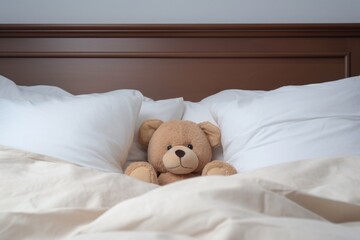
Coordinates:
(180, 160)
(180, 153)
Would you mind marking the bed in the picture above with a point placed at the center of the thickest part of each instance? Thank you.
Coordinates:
(286, 98)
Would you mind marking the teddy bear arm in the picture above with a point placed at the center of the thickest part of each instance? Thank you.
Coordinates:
(142, 171)
(218, 167)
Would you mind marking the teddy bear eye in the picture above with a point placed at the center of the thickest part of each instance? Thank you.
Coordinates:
(190, 146)
(169, 147)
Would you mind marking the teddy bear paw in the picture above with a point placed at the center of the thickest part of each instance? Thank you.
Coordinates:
(142, 171)
(218, 168)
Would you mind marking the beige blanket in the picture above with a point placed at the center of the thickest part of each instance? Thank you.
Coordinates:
(45, 198)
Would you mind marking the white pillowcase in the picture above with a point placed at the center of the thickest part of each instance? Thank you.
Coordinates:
(94, 130)
(42, 92)
(165, 110)
(292, 123)
(200, 111)
(9, 90)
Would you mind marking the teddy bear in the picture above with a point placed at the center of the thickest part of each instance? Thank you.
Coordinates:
(178, 149)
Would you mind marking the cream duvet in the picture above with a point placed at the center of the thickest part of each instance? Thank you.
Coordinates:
(46, 198)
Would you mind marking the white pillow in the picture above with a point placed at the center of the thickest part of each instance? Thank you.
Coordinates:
(94, 130)
(166, 110)
(200, 111)
(9, 90)
(41, 92)
(292, 123)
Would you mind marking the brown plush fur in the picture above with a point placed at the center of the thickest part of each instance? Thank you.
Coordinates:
(177, 150)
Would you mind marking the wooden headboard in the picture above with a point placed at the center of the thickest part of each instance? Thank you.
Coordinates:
(165, 61)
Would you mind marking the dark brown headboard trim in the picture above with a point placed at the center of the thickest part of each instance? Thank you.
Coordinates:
(172, 55)
(180, 30)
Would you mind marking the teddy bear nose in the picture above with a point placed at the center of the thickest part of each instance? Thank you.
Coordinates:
(180, 153)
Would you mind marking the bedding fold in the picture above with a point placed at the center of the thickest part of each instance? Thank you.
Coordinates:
(43, 198)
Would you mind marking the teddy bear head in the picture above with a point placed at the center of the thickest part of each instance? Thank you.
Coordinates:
(179, 146)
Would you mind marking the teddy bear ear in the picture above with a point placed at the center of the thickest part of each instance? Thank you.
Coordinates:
(212, 132)
(147, 129)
